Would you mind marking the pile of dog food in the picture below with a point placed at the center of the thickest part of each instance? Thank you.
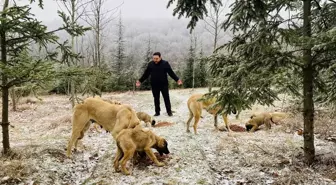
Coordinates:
(163, 124)
(233, 127)
(146, 161)
(237, 128)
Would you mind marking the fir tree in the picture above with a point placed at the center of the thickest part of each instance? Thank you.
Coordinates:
(270, 54)
(147, 58)
(189, 68)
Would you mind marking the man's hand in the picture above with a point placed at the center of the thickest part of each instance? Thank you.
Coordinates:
(137, 84)
(179, 82)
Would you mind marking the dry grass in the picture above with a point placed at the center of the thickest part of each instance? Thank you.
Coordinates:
(64, 120)
(211, 157)
(324, 122)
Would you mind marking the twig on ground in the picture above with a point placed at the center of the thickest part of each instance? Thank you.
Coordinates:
(290, 179)
(261, 149)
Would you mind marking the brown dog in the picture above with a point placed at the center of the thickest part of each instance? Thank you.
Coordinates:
(195, 111)
(146, 118)
(266, 118)
(111, 117)
(95, 124)
(140, 140)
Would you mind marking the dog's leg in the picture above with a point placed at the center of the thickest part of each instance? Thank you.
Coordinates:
(80, 137)
(189, 120)
(117, 158)
(79, 121)
(216, 120)
(254, 128)
(127, 156)
(197, 118)
(226, 121)
(267, 123)
(87, 126)
(151, 155)
(96, 126)
(73, 139)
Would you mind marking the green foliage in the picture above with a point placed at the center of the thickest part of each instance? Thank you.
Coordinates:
(119, 56)
(147, 58)
(200, 71)
(22, 29)
(189, 68)
(19, 29)
(265, 55)
(195, 9)
(171, 82)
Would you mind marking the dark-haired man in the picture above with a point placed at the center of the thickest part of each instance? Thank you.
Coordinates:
(158, 70)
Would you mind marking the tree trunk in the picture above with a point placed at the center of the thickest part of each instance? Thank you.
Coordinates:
(72, 83)
(308, 103)
(13, 95)
(5, 89)
(216, 27)
(210, 85)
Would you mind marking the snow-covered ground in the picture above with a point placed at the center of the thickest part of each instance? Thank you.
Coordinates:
(42, 129)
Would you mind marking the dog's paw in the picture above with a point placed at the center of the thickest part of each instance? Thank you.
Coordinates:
(188, 131)
(117, 170)
(126, 172)
(160, 164)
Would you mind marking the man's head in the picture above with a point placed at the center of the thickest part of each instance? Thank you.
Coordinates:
(157, 57)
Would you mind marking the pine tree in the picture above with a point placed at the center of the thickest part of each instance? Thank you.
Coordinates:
(200, 71)
(267, 48)
(118, 67)
(20, 28)
(147, 58)
(189, 68)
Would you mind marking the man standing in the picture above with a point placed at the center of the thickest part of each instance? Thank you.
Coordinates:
(158, 70)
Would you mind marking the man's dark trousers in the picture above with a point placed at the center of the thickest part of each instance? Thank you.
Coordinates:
(156, 94)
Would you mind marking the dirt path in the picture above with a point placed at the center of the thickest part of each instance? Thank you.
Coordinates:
(42, 130)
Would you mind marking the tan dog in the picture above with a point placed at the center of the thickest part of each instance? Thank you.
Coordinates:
(111, 117)
(195, 111)
(266, 118)
(146, 118)
(95, 124)
(138, 139)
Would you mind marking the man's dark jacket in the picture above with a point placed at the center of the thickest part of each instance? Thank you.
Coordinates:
(158, 73)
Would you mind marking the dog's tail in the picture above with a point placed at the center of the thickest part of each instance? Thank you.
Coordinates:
(279, 115)
(121, 151)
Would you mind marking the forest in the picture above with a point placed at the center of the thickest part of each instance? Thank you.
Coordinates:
(253, 57)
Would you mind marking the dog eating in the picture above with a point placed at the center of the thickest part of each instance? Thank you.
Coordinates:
(195, 111)
(112, 117)
(138, 140)
(265, 118)
(146, 118)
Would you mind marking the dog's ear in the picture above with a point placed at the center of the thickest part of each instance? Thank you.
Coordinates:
(161, 142)
(252, 116)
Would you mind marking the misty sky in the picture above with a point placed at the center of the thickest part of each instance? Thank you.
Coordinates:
(141, 9)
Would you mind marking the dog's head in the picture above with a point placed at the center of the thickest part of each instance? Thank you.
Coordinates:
(153, 122)
(248, 124)
(248, 127)
(234, 111)
(162, 146)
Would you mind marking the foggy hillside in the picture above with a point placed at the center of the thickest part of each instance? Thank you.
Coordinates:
(169, 36)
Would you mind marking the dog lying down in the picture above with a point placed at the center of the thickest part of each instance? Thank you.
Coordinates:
(138, 139)
(265, 118)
